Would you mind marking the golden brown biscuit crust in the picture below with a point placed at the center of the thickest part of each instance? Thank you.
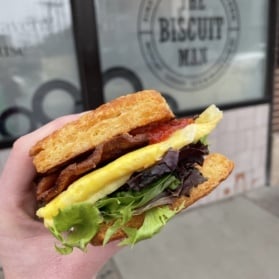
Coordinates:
(216, 168)
(114, 118)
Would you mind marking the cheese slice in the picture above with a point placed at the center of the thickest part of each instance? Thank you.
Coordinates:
(103, 181)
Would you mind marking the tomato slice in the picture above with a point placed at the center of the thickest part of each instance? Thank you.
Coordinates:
(158, 132)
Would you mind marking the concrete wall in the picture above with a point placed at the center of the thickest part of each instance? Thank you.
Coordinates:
(243, 137)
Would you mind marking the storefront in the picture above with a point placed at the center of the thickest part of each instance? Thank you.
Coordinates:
(61, 56)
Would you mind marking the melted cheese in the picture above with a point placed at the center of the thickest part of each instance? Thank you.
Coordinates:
(103, 181)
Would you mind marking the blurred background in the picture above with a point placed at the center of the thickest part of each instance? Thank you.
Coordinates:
(60, 57)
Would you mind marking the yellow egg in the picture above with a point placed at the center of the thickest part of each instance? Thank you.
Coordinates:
(103, 181)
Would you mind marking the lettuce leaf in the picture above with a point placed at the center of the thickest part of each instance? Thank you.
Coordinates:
(155, 219)
(122, 206)
(166, 165)
(112, 205)
(75, 226)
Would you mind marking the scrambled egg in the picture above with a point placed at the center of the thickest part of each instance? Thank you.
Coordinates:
(103, 181)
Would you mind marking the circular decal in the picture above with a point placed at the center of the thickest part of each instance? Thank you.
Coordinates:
(11, 112)
(44, 90)
(127, 74)
(188, 44)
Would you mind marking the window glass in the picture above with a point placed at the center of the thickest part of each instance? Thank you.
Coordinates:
(38, 68)
(196, 52)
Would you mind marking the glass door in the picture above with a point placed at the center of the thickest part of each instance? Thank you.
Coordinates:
(195, 52)
(38, 68)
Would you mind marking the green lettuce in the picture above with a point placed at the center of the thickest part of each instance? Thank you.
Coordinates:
(123, 204)
(77, 224)
(204, 140)
(113, 205)
(154, 220)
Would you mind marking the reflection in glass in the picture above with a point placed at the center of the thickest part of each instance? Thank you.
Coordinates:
(36, 51)
(196, 52)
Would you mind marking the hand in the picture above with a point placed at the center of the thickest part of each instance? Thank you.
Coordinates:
(26, 246)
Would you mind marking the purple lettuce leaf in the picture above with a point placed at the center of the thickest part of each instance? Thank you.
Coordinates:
(182, 164)
(167, 165)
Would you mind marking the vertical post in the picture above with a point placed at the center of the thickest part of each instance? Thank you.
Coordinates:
(87, 48)
(270, 71)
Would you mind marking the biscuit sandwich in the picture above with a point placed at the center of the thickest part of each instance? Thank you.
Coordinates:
(123, 170)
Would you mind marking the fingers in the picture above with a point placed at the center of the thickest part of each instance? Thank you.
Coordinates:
(18, 173)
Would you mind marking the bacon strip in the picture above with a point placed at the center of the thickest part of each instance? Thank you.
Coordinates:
(53, 184)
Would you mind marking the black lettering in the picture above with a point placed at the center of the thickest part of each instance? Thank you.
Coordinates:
(215, 28)
(164, 30)
(201, 5)
(16, 51)
(202, 28)
(192, 5)
(219, 21)
(191, 31)
(210, 28)
(182, 32)
(194, 61)
(196, 5)
(6, 51)
(197, 28)
(192, 57)
(233, 10)
(183, 57)
(147, 11)
(173, 29)
(203, 55)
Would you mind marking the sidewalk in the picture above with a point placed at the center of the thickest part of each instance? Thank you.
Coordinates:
(234, 238)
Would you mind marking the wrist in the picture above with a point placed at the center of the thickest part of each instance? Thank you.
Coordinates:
(56, 267)
(40, 260)
(61, 272)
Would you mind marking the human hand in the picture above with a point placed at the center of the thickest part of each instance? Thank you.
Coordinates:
(26, 246)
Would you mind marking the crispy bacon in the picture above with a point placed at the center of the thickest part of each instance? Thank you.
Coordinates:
(51, 185)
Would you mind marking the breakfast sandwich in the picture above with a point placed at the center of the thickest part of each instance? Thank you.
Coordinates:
(123, 170)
